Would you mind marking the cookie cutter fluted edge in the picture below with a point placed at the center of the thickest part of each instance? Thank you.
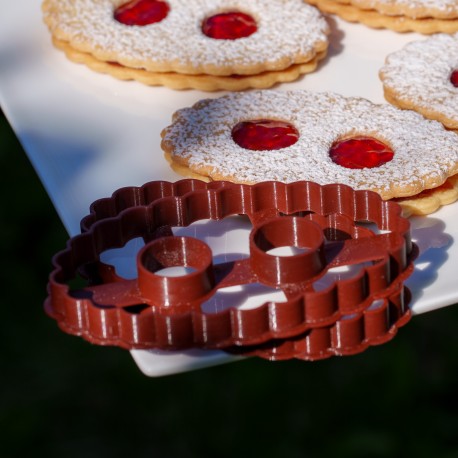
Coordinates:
(150, 211)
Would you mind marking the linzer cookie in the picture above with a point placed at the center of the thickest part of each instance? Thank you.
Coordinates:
(204, 44)
(423, 76)
(423, 16)
(321, 137)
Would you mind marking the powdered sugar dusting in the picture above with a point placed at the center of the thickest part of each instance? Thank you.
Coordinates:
(420, 73)
(425, 153)
(289, 31)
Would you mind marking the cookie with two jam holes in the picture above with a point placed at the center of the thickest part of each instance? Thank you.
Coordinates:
(322, 137)
(207, 45)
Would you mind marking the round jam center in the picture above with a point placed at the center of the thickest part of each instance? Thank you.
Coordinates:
(229, 26)
(454, 78)
(264, 134)
(360, 153)
(141, 12)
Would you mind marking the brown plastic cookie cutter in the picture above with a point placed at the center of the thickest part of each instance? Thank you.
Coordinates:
(350, 335)
(154, 311)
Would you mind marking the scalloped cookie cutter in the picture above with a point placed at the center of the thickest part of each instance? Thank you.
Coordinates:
(325, 224)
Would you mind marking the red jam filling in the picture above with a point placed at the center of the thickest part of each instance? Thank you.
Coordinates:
(360, 153)
(141, 12)
(264, 134)
(229, 26)
(454, 78)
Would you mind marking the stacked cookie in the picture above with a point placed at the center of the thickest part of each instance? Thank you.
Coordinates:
(320, 137)
(202, 44)
(423, 16)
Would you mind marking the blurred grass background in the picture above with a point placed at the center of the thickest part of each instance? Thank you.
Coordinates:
(62, 397)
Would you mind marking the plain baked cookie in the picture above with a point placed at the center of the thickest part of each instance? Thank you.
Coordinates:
(270, 35)
(422, 16)
(423, 76)
(322, 137)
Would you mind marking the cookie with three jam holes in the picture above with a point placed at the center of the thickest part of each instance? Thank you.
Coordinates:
(202, 44)
(290, 136)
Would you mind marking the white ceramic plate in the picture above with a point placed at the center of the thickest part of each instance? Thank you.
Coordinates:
(88, 134)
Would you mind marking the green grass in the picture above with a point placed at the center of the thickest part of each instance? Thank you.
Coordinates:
(62, 397)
